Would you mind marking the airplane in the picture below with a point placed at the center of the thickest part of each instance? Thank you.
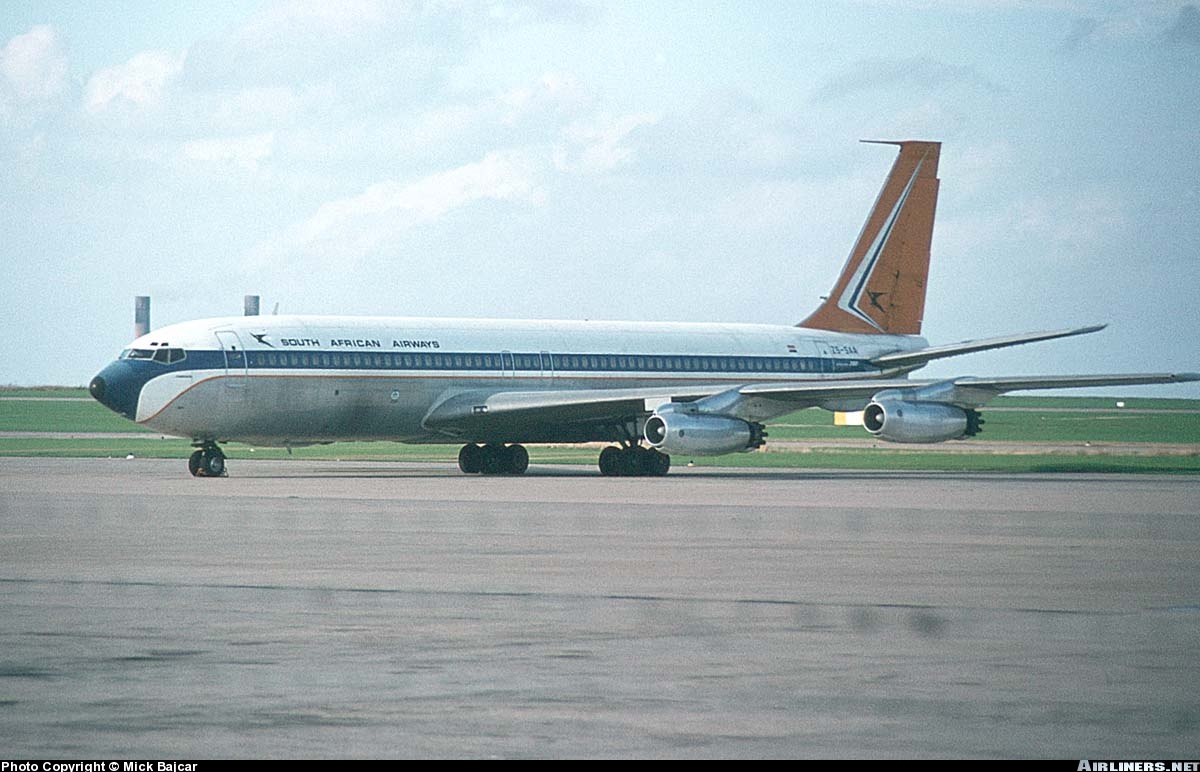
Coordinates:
(650, 389)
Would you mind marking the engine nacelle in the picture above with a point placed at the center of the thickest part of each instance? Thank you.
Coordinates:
(900, 421)
(697, 434)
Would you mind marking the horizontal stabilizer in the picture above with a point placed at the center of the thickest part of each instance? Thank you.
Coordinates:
(908, 359)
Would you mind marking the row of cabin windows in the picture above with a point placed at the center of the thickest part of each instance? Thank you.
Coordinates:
(542, 362)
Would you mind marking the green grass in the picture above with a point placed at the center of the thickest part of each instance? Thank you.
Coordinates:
(1091, 403)
(42, 392)
(28, 415)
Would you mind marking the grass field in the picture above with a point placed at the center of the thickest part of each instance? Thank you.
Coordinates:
(1061, 421)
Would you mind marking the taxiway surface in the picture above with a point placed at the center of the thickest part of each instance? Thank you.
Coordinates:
(305, 608)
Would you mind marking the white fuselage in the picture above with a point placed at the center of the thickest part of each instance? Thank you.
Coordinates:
(297, 379)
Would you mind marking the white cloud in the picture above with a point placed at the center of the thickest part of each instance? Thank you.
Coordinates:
(253, 107)
(553, 90)
(139, 82)
(34, 65)
(352, 227)
(597, 146)
(1075, 224)
(1066, 226)
(244, 152)
(311, 17)
(906, 75)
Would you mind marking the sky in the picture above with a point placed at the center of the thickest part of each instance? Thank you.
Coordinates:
(569, 159)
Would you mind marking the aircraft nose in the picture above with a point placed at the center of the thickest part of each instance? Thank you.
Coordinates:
(97, 387)
(116, 389)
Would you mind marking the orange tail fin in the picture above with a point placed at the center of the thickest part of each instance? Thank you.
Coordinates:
(882, 286)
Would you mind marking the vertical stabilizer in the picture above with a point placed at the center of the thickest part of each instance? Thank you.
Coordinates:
(882, 287)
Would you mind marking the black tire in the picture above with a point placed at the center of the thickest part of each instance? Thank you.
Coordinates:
(609, 458)
(493, 459)
(194, 462)
(213, 463)
(629, 463)
(516, 459)
(658, 464)
(470, 459)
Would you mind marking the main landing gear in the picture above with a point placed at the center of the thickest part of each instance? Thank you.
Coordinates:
(208, 461)
(493, 459)
(633, 461)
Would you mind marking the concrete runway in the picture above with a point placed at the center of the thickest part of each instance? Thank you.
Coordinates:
(306, 608)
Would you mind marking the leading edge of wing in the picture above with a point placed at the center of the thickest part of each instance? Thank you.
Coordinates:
(965, 391)
(920, 357)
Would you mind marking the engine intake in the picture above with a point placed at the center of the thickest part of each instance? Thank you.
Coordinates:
(697, 434)
(900, 421)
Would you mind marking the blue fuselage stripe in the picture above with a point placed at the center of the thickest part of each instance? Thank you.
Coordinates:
(516, 362)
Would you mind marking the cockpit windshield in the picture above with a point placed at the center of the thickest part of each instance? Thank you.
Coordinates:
(166, 356)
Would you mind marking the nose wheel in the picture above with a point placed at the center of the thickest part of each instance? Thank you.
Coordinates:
(208, 461)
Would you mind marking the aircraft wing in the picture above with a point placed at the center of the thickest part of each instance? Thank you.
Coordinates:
(555, 412)
(919, 357)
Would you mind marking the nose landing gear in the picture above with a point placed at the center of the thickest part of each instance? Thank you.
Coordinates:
(207, 461)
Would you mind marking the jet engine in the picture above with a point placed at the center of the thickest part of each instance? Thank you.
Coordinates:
(900, 421)
(699, 434)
